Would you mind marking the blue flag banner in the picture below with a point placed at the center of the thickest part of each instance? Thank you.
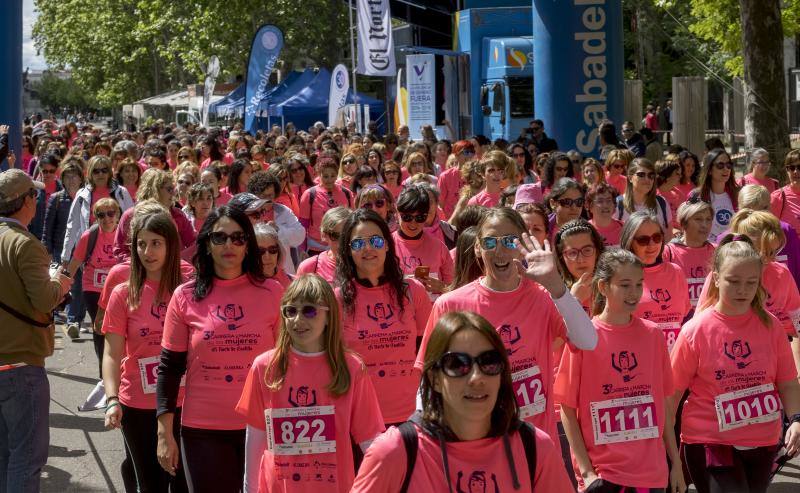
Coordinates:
(267, 45)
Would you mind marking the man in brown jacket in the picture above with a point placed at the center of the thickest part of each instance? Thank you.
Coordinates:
(28, 296)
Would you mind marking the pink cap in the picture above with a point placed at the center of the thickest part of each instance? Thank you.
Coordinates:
(528, 193)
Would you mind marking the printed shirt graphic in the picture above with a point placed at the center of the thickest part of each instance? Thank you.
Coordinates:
(783, 299)
(528, 322)
(665, 299)
(222, 333)
(477, 466)
(786, 206)
(424, 251)
(386, 339)
(618, 392)
(723, 212)
(102, 260)
(324, 263)
(695, 263)
(142, 329)
(314, 419)
(717, 356)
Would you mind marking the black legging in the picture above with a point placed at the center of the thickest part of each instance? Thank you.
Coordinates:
(213, 459)
(91, 298)
(140, 430)
(749, 473)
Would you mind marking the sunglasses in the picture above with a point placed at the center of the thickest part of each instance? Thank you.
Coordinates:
(239, 238)
(308, 311)
(349, 161)
(618, 166)
(48, 171)
(183, 156)
(723, 165)
(272, 250)
(644, 240)
(358, 244)
(792, 168)
(296, 170)
(645, 174)
(418, 218)
(184, 182)
(571, 202)
(585, 252)
(100, 171)
(378, 204)
(490, 242)
(391, 172)
(459, 365)
(106, 214)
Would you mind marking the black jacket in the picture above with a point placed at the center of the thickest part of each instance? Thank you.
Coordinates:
(55, 223)
(636, 145)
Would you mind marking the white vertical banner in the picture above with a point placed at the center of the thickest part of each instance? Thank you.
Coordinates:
(421, 87)
(375, 44)
(212, 72)
(340, 84)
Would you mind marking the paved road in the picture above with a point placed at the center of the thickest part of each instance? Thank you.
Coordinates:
(86, 458)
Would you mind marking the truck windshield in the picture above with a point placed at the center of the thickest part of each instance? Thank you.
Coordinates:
(521, 96)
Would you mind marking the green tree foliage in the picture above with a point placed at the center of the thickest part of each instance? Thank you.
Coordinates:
(56, 93)
(123, 50)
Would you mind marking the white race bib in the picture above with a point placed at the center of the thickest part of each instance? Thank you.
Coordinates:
(624, 420)
(670, 331)
(695, 288)
(99, 277)
(529, 389)
(745, 407)
(148, 373)
(301, 430)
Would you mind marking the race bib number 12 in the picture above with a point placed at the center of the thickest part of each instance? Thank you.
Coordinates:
(301, 430)
(529, 389)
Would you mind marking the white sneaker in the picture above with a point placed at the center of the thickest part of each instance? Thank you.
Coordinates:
(96, 399)
(86, 330)
(72, 331)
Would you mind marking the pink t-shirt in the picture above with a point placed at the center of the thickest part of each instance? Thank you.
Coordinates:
(785, 203)
(308, 429)
(620, 182)
(96, 268)
(610, 233)
(485, 198)
(628, 372)
(142, 329)
(385, 338)
(424, 251)
(528, 322)
(783, 299)
(686, 188)
(394, 189)
(120, 273)
(474, 466)
(283, 279)
(322, 203)
(695, 263)
(97, 194)
(222, 333)
(674, 198)
(665, 299)
(731, 366)
(771, 184)
(323, 264)
(450, 184)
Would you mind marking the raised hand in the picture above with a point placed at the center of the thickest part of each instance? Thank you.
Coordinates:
(541, 264)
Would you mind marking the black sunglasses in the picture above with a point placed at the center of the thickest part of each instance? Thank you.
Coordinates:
(459, 365)
(272, 250)
(99, 171)
(239, 238)
(418, 218)
(103, 215)
(570, 202)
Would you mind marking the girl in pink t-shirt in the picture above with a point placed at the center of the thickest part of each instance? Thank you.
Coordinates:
(304, 400)
(326, 195)
(324, 264)
(736, 363)
(469, 434)
(613, 399)
(600, 200)
(578, 246)
(494, 168)
(133, 326)
(272, 254)
(384, 314)
(215, 327)
(692, 251)
(665, 295)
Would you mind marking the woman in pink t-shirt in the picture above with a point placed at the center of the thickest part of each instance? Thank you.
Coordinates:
(617, 163)
(324, 264)
(309, 386)
(578, 245)
(384, 314)
(497, 169)
(759, 167)
(133, 326)
(391, 173)
(318, 199)
(566, 200)
(215, 327)
(618, 415)
(736, 363)
(665, 295)
(785, 202)
(272, 254)
(600, 202)
(469, 433)
(692, 251)
(668, 177)
(690, 172)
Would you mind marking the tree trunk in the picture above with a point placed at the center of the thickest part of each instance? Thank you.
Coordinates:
(765, 122)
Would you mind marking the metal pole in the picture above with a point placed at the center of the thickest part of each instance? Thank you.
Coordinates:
(353, 59)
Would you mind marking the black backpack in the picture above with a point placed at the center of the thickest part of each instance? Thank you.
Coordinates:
(312, 194)
(409, 433)
(94, 232)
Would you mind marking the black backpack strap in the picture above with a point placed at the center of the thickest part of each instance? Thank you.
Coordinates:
(662, 202)
(528, 437)
(783, 202)
(94, 232)
(409, 433)
(312, 194)
(349, 197)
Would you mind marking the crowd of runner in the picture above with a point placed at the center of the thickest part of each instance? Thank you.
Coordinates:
(328, 311)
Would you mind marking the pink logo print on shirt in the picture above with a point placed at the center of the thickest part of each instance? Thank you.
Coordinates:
(510, 336)
(412, 262)
(625, 363)
(739, 352)
(381, 314)
(301, 397)
(230, 314)
(661, 296)
(476, 483)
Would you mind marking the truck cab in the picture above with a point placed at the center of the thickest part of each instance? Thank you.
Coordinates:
(506, 91)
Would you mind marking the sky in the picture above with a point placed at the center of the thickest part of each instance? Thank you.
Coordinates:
(29, 57)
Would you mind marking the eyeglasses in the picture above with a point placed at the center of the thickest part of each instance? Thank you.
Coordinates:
(571, 202)
(644, 240)
(585, 252)
(490, 242)
(457, 365)
(106, 214)
(378, 204)
(238, 238)
(377, 242)
(100, 171)
(645, 174)
(793, 168)
(418, 218)
(333, 235)
(602, 202)
(47, 171)
(723, 165)
(272, 250)
(308, 311)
